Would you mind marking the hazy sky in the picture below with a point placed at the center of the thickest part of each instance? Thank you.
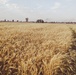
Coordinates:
(49, 10)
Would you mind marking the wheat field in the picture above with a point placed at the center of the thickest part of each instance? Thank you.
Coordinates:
(37, 49)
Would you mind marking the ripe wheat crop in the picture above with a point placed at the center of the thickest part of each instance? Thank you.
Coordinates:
(37, 49)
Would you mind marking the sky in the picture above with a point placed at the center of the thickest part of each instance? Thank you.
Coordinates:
(48, 10)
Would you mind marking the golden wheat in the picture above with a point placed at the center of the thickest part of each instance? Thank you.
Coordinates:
(36, 49)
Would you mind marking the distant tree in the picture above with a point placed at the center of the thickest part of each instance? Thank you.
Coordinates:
(17, 20)
(12, 20)
(39, 21)
(4, 20)
(26, 19)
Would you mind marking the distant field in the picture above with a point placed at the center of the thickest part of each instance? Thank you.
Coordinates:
(37, 49)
